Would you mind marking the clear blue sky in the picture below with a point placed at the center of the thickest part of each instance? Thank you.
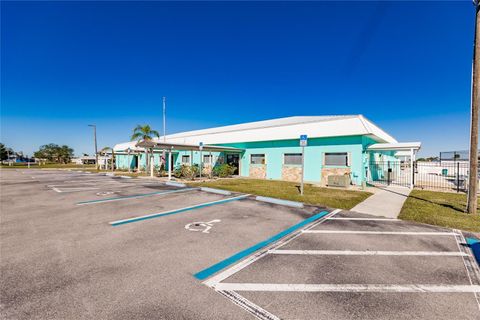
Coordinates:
(404, 65)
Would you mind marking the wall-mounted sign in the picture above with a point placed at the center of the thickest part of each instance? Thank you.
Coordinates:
(303, 140)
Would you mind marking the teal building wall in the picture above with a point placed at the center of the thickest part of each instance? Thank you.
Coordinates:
(355, 146)
(274, 151)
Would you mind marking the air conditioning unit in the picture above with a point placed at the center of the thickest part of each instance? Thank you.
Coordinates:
(339, 181)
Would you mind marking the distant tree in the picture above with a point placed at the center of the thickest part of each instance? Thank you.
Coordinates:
(429, 159)
(66, 154)
(85, 154)
(3, 152)
(144, 133)
(55, 153)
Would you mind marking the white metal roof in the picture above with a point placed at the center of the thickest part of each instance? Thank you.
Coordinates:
(183, 146)
(396, 146)
(278, 129)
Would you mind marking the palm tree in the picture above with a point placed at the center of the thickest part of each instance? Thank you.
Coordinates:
(104, 151)
(142, 133)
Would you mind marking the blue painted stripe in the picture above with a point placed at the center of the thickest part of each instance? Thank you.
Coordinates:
(205, 273)
(163, 214)
(474, 244)
(134, 196)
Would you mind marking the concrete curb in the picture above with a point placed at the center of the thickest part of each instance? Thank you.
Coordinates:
(175, 184)
(217, 191)
(125, 177)
(282, 202)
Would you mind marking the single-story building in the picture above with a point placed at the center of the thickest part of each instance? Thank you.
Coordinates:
(341, 145)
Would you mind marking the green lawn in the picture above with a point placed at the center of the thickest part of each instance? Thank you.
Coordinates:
(441, 209)
(333, 198)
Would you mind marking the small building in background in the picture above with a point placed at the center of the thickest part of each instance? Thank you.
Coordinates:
(84, 160)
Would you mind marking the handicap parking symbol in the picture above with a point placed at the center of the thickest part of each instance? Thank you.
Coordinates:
(204, 227)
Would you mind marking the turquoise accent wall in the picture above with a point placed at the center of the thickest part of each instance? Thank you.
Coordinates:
(123, 161)
(274, 151)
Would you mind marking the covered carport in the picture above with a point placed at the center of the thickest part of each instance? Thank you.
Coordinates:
(408, 150)
(171, 148)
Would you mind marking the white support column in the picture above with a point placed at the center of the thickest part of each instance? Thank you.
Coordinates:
(201, 164)
(211, 165)
(129, 161)
(191, 158)
(164, 159)
(412, 169)
(152, 164)
(170, 164)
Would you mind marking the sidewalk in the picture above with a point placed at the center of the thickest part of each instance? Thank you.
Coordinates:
(385, 202)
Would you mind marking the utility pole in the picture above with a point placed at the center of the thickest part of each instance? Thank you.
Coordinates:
(164, 155)
(475, 104)
(95, 141)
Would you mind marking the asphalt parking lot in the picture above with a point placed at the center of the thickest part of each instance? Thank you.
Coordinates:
(84, 246)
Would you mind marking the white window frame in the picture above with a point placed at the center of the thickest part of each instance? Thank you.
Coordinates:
(291, 153)
(349, 163)
(188, 158)
(258, 164)
(210, 159)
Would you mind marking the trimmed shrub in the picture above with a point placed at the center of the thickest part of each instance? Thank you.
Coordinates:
(224, 170)
(185, 171)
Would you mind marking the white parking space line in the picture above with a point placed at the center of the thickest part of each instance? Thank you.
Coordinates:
(381, 232)
(332, 214)
(410, 288)
(70, 185)
(84, 181)
(364, 219)
(233, 290)
(82, 185)
(248, 261)
(66, 190)
(369, 253)
(89, 186)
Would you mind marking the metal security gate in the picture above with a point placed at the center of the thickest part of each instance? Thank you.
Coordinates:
(391, 172)
(442, 175)
(436, 176)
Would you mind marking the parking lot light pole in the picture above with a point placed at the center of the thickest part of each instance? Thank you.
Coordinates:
(95, 141)
(475, 105)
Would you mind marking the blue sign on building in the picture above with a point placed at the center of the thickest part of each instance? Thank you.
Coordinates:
(303, 140)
